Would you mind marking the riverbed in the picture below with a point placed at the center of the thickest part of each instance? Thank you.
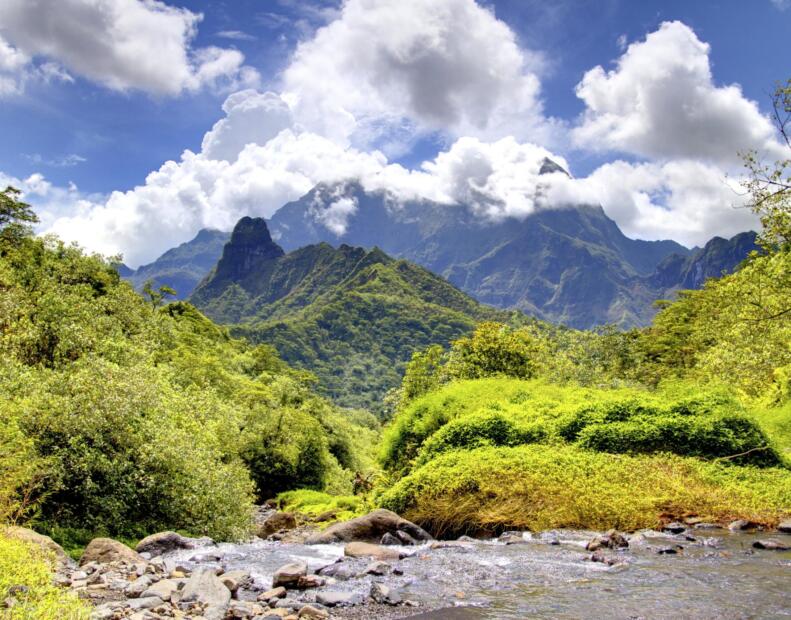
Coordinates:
(698, 574)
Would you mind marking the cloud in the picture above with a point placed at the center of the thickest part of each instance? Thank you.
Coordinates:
(781, 5)
(66, 161)
(235, 35)
(444, 65)
(123, 44)
(661, 101)
(250, 117)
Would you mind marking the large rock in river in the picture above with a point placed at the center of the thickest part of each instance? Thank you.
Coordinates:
(104, 550)
(369, 528)
(162, 542)
(205, 587)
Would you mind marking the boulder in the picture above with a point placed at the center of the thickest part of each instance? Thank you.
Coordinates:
(274, 593)
(377, 568)
(236, 579)
(163, 589)
(771, 544)
(611, 539)
(308, 611)
(331, 598)
(206, 588)
(369, 528)
(163, 542)
(674, 528)
(275, 523)
(105, 550)
(389, 539)
(367, 550)
(740, 525)
(45, 542)
(383, 595)
(784, 526)
(288, 576)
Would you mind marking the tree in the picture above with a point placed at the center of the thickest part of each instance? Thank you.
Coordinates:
(157, 296)
(15, 215)
(769, 185)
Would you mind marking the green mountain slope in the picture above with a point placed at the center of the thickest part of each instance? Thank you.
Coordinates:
(352, 316)
(183, 267)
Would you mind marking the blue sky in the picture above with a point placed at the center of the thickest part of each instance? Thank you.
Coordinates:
(73, 123)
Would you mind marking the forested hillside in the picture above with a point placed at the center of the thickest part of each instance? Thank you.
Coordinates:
(124, 416)
(351, 316)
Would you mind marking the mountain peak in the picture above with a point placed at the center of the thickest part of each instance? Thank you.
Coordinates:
(249, 247)
(548, 167)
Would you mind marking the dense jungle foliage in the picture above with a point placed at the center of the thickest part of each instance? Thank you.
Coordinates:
(124, 416)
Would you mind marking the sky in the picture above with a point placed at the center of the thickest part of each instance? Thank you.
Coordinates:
(131, 124)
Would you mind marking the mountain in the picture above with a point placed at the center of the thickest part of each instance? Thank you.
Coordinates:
(571, 265)
(350, 315)
(182, 267)
(719, 256)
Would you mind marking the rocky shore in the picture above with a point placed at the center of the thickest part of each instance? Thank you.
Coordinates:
(353, 570)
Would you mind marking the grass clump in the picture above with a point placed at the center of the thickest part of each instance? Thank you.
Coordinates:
(511, 412)
(25, 564)
(538, 487)
(316, 503)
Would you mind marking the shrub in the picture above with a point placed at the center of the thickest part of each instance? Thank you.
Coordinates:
(538, 487)
(26, 564)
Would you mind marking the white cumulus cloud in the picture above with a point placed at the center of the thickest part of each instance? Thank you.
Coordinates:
(122, 44)
(411, 66)
(661, 101)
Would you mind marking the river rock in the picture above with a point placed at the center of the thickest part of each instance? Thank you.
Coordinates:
(163, 542)
(308, 611)
(339, 570)
(369, 528)
(273, 594)
(740, 525)
(377, 568)
(105, 550)
(45, 542)
(389, 539)
(236, 579)
(771, 544)
(611, 539)
(784, 526)
(674, 528)
(275, 523)
(367, 550)
(163, 589)
(206, 588)
(288, 576)
(138, 586)
(383, 595)
(332, 598)
(147, 602)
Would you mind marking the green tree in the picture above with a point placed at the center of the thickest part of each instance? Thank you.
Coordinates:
(15, 215)
(769, 184)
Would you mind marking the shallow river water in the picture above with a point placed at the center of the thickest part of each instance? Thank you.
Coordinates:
(717, 575)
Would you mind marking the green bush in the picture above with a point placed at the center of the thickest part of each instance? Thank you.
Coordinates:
(23, 563)
(538, 487)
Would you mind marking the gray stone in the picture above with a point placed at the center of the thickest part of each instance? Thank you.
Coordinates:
(331, 598)
(674, 528)
(206, 588)
(164, 542)
(163, 589)
(105, 550)
(771, 544)
(236, 579)
(383, 595)
(148, 602)
(369, 528)
(288, 576)
(784, 526)
(611, 539)
(389, 539)
(740, 525)
(377, 568)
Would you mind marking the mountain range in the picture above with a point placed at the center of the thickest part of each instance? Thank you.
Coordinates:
(569, 265)
(352, 316)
